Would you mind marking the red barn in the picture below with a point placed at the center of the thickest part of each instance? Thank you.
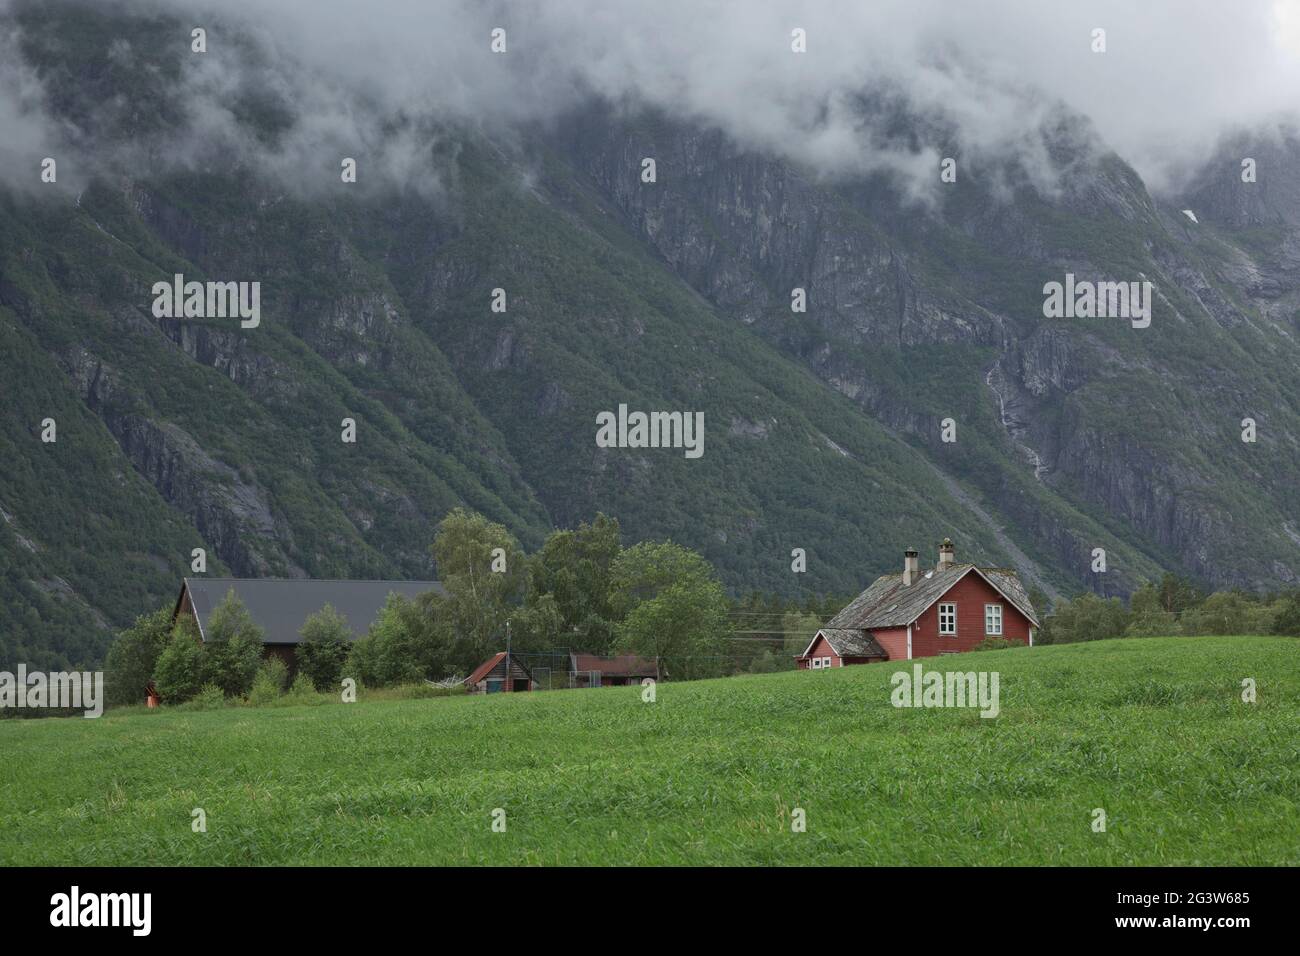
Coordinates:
(942, 611)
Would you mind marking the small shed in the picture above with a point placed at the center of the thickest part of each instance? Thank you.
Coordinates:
(500, 673)
(591, 670)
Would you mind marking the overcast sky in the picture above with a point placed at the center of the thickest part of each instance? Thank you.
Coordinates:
(1175, 75)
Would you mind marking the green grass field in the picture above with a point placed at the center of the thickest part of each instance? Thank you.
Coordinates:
(1153, 731)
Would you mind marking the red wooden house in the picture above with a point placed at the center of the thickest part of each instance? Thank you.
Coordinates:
(951, 608)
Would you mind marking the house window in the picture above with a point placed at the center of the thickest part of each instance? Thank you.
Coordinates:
(992, 618)
(826, 662)
(816, 663)
(948, 620)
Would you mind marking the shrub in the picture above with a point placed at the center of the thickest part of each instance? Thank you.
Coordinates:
(363, 661)
(233, 648)
(995, 644)
(268, 685)
(209, 697)
(276, 670)
(178, 673)
(406, 643)
(1228, 612)
(326, 642)
(302, 689)
(134, 655)
(1152, 623)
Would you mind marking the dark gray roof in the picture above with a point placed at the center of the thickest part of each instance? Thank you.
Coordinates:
(850, 643)
(856, 611)
(903, 605)
(280, 606)
(888, 604)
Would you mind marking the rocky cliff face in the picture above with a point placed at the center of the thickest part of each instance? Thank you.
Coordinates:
(744, 230)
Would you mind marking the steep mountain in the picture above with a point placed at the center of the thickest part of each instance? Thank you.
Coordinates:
(1075, 424)
(823, 429)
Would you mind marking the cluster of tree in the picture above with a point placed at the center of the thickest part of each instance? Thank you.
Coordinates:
(582, 591)
(177, 662)
(1173, 606)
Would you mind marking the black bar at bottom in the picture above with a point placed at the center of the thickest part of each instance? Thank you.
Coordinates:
(306, 905)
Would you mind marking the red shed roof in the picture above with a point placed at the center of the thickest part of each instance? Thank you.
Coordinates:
(625, 665)
(485, 668)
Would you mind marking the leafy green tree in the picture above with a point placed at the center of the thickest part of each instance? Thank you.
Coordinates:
(1287, 619)
(134, 655)
(539, 626)
(1147, 617)
(485, 573)
(178, 675)
(233, 649)
(1145, 600)
(1177, 594)
(326, 642)
(1228, 612)
(675, 609)
(408, 641)
(573, 568)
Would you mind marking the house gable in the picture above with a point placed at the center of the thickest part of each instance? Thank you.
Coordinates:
(819, 649)
(970, 595)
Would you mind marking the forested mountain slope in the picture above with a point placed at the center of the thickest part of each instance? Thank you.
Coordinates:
(822, 429)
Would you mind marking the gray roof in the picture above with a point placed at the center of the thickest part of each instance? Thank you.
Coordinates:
(851, 643)
(888, 604)
(280, 606)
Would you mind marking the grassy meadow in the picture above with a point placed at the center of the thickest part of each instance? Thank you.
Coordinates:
(1153, 731)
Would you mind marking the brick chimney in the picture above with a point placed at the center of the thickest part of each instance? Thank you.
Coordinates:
(910, 566)
(945, 554)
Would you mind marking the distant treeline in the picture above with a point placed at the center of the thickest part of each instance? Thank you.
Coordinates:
(1174, 606)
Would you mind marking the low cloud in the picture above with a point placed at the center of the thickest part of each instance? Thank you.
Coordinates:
(980, 81)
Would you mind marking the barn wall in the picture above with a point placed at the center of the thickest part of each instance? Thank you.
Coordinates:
(970, 594)
(893, 640)
(286, 652)
(499, 673)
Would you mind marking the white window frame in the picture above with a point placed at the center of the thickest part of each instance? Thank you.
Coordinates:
(826, 662)
(815, 664)
(989, 616)
(952, 631)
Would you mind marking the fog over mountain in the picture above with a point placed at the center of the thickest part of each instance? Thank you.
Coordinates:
(989, 76)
